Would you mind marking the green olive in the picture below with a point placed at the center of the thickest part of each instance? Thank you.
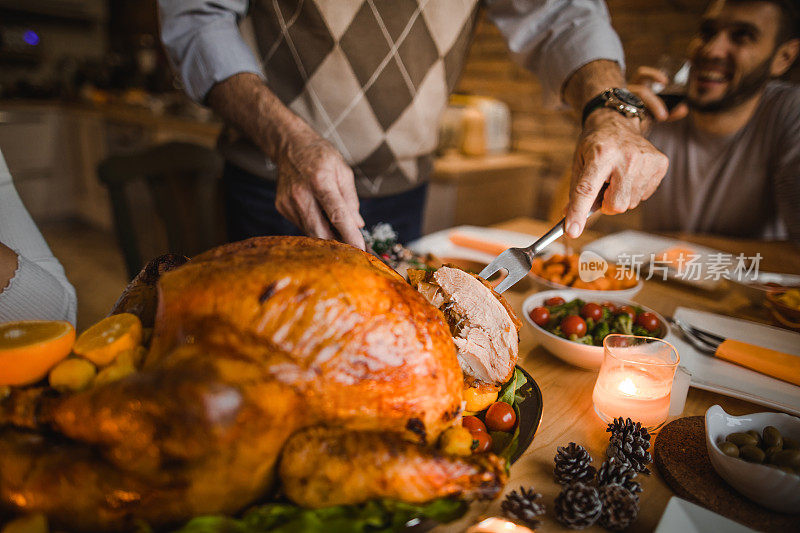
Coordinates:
(790, 444)
(752, 453)
(772, 437)
(789, 458)
(769, 452)
(742, 439)
(729, 449)
(757, 436)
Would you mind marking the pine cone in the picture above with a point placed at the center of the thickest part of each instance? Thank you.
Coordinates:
(572, 464)
(524, 506)
(629, 443)
(620, 508)
(614, 472)
(578, 506)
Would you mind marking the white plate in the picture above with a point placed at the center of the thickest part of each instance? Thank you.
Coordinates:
(755, 288)
(681, 516)
(713, 374)
(439, 243)
(639, 243)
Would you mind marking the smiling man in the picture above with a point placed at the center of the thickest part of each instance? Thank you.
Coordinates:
(734, 149)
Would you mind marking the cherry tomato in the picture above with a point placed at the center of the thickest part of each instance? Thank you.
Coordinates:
(593, 311)
(611, 306)
(628, 310)
(484, 442)
(648, 321)
(573, 325)
(473, 424)
(540, 316)
(555, 300)
(500, 417)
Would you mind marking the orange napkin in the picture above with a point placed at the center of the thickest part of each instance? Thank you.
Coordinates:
(773, 363)
(480, 245)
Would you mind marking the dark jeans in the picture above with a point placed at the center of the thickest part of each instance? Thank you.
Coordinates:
(250, 209)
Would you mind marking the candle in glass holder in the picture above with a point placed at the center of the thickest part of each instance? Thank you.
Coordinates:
(635, 380)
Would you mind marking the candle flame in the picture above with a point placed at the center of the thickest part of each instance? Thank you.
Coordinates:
(627, 386)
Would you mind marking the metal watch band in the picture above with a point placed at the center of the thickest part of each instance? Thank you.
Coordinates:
(602, 99)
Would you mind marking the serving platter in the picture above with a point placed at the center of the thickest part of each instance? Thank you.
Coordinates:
(530, 416)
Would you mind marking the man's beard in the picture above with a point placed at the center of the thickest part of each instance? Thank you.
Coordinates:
(750, 84)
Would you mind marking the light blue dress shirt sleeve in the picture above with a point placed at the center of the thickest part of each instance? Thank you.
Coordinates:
(39, 289)
(554, 38)
(203, 42)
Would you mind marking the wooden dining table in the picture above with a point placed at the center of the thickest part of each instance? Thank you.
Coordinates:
(568, 414)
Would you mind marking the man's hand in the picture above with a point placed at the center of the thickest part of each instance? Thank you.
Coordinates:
(8, 266)
(316, 189)
(612, 148)
(642, 83)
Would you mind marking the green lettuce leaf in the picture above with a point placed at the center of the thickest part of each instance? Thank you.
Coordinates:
(508, 394)
(376, 516)
(509, 389)
(511, 447)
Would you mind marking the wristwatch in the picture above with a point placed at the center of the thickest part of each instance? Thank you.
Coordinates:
(620, 100)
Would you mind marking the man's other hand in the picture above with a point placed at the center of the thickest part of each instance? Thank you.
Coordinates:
(641, 84)
(316, 190)
(612, 149)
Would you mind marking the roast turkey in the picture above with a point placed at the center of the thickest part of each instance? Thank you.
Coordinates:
(275, 344)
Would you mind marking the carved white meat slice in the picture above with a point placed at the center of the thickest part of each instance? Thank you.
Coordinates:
(485, 331)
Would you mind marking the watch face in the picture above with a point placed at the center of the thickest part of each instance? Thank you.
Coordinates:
(628, 97)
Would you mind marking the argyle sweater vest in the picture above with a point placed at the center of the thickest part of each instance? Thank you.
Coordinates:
(370, 76)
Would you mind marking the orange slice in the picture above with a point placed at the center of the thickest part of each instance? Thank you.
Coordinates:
(102, 342)
(30, 348)
(479, 398)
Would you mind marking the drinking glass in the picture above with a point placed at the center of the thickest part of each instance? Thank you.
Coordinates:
(674, 91)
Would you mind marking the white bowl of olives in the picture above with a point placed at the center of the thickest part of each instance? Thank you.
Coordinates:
(758, 455)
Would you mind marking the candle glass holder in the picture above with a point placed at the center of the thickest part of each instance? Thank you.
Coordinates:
(635, 380)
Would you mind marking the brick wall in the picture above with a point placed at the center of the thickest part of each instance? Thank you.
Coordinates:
(648, 29)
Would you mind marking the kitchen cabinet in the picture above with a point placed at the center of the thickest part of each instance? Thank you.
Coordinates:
(482, 190)
(53, 150)
(38, 162)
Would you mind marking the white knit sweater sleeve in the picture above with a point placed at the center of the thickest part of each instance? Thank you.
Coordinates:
(39, 288)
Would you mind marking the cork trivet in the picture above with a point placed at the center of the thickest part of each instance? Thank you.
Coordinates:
(681, 457)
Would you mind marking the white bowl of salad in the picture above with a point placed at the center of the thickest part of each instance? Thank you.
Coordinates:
(572, 324)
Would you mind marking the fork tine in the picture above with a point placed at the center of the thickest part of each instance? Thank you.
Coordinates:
(509, 281)
(699, 343)
(705, 342)
(491, 268)
(707, 336)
